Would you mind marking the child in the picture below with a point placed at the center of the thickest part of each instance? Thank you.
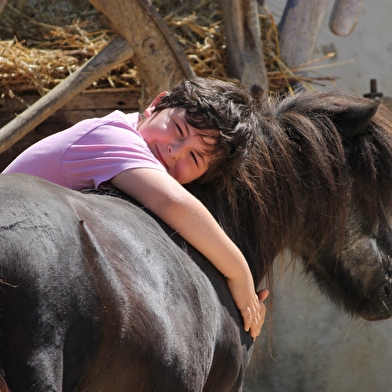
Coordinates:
(200, 130)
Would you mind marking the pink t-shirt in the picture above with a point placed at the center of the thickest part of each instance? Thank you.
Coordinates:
(89, 153)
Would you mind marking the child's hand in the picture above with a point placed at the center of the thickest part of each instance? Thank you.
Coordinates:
(262, 295)
(250, 304)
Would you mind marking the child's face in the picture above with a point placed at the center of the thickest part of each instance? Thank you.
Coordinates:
(176, 144)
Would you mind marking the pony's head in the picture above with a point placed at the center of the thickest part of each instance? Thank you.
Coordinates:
(321, 170)
(317, 182)
(355, 269)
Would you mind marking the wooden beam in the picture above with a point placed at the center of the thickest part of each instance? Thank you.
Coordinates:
(244, 45)
(300, 29)
(344, 16)
(93, 102)
(159, 58)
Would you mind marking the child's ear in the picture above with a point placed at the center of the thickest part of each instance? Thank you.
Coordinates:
(154, 103)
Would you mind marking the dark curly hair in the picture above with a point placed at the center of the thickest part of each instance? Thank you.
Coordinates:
(221, 105)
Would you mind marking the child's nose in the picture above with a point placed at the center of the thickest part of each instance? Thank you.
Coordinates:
(175, 150)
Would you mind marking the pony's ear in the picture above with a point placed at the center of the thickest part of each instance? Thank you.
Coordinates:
(356, 118)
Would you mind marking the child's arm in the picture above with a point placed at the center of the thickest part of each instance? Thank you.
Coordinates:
(166, 198)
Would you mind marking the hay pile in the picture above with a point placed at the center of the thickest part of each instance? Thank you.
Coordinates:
(43, 41)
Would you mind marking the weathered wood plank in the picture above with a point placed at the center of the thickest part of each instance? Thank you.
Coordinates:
(344, 16)
(243, 40)
(160, 60)
(299, 30)
(86, 100)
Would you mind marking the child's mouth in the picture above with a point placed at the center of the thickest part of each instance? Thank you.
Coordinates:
(160, 158)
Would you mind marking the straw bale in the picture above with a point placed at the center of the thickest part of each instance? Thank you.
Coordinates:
(44, 41)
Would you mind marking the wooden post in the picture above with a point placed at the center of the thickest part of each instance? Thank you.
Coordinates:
(115, 53)
(299, 30)
(160, 60)
(243, 40)
(344, 16)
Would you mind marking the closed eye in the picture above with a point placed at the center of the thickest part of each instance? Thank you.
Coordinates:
(179, 129)
(194, 158)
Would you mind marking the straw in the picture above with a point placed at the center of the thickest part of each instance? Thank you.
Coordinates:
(43, 41)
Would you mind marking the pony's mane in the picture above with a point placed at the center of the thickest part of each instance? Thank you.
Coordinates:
(297, 184)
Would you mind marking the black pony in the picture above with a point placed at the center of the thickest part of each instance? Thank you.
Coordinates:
(325, 176)
(96, 294)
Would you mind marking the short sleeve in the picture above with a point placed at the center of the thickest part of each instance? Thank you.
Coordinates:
(104, 152)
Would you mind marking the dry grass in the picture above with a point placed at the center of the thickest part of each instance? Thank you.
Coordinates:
(43, 41)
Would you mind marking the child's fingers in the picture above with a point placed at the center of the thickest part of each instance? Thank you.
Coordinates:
(255, 328)
(247, 317)
(258, 320)
(263, 294)
(258, 314)
(254, 316)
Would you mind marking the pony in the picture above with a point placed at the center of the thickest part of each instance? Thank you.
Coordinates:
(97, 293)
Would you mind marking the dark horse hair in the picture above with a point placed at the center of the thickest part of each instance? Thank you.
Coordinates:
(313, 151)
